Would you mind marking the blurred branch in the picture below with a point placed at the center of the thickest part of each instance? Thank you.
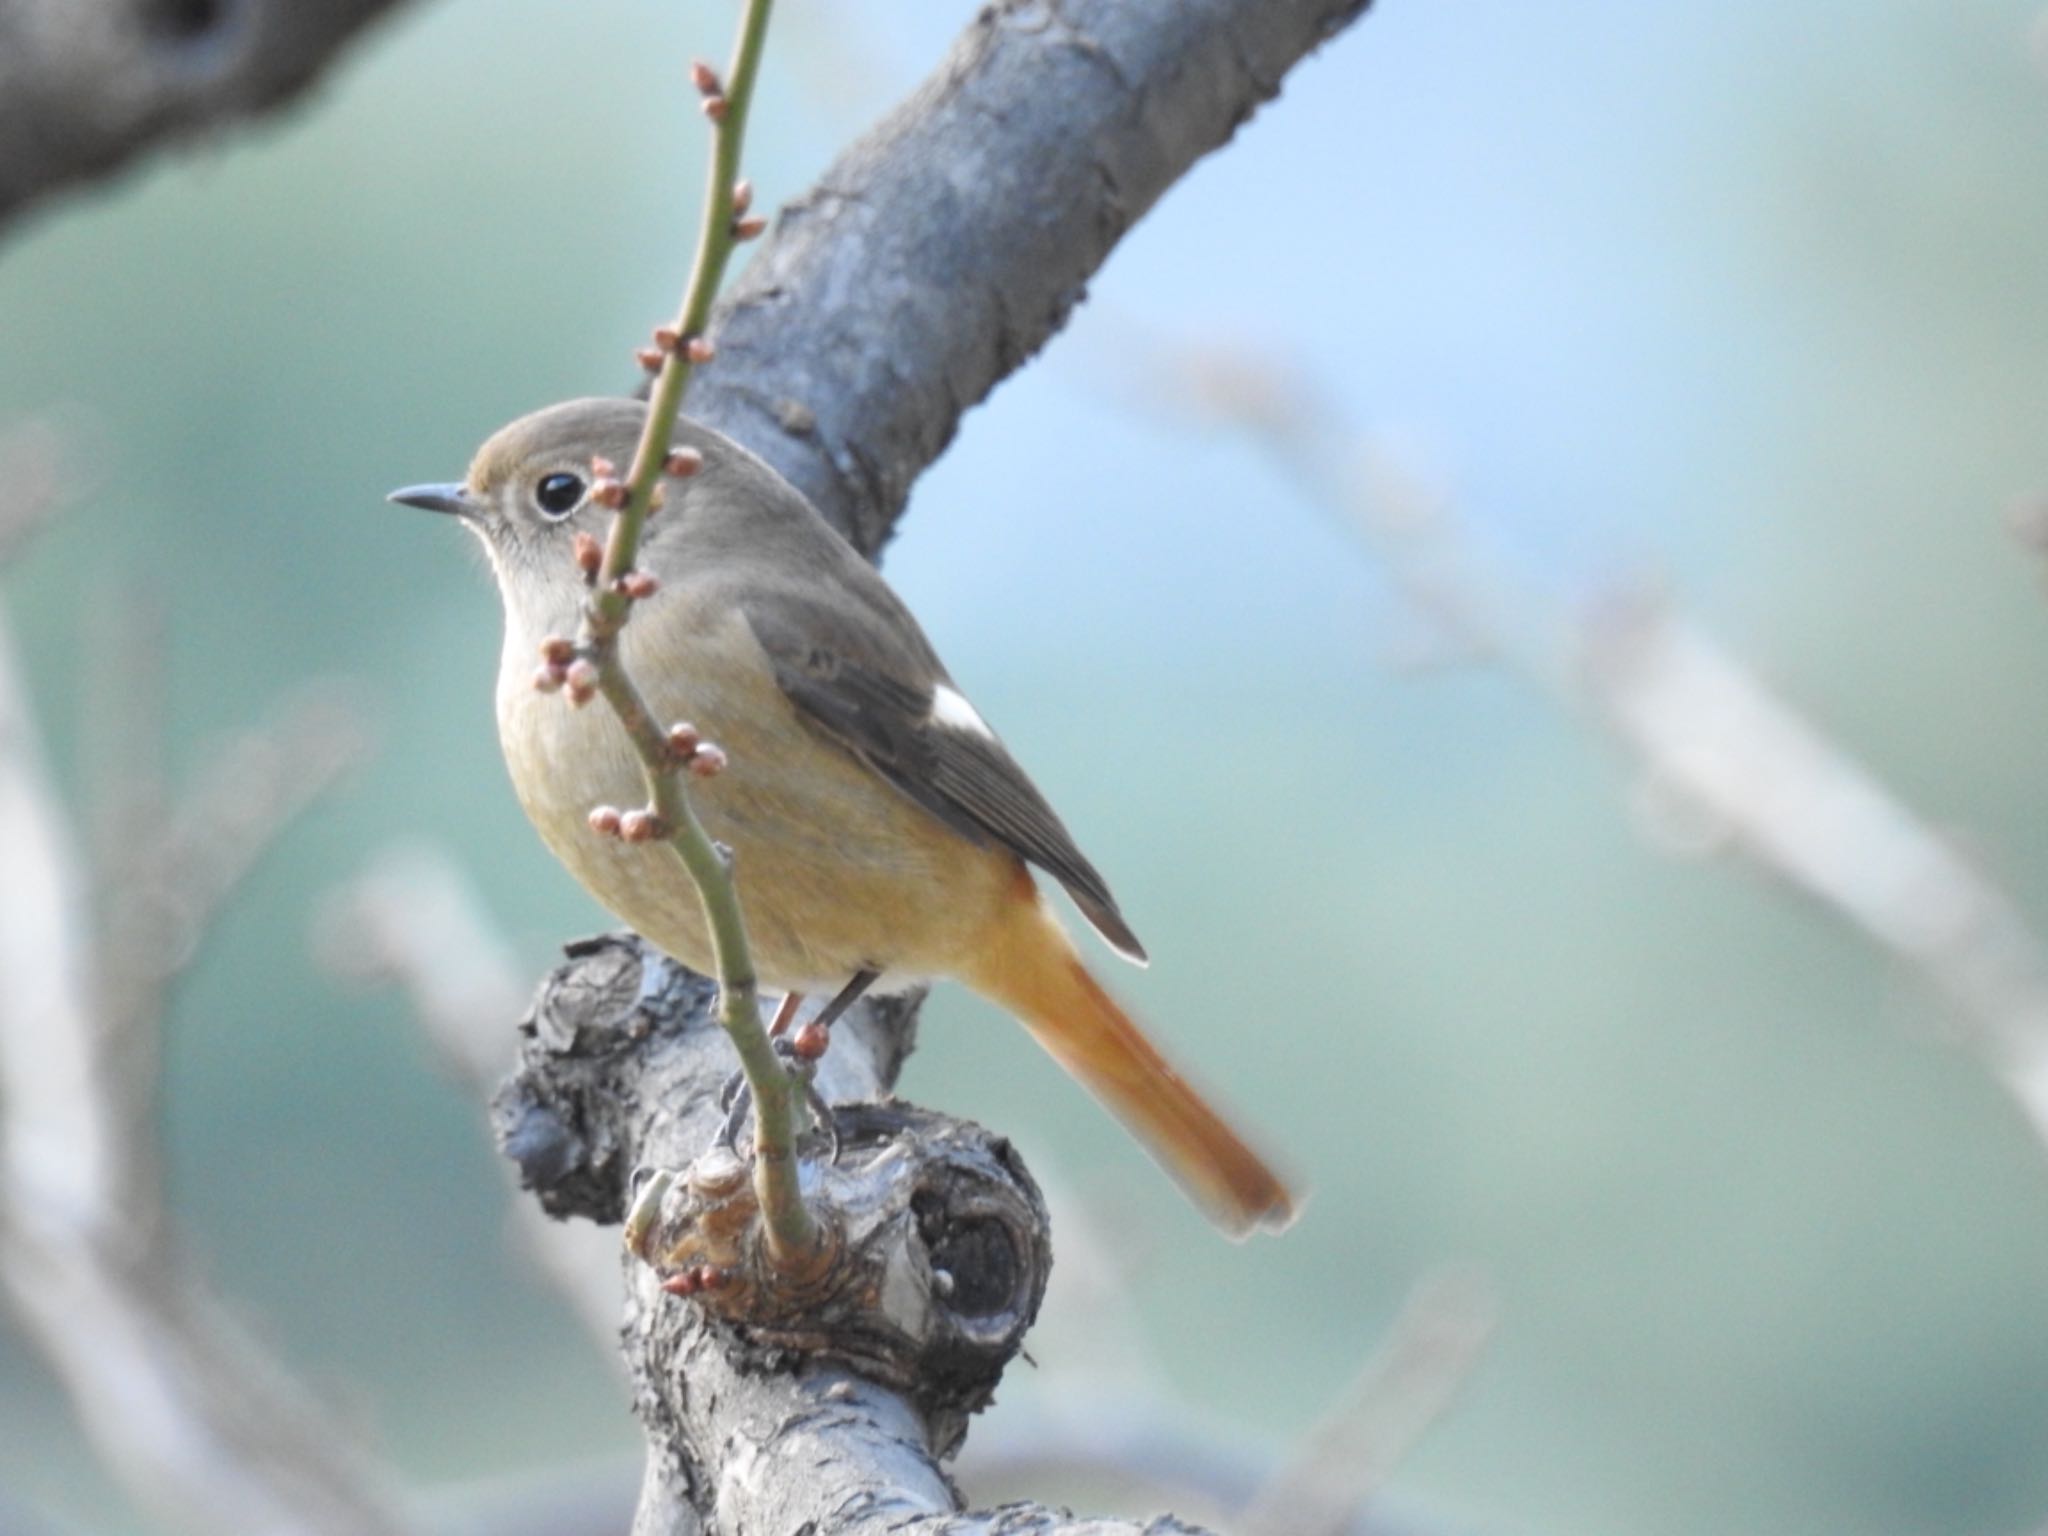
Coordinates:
(1131, 1449)
(1744, 768)
(166, 884)
(1401, 1391)
(1105, 1432)
(87, 85)
(592, 1500)
(413, 921)
(1725, 763)
(31, 460)
(178, 1400)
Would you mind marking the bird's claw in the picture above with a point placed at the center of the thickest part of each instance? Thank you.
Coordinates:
(736, 1098)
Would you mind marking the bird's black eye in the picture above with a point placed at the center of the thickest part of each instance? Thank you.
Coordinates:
(557, 494)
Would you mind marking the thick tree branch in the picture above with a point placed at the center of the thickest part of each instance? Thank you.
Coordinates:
(86, 85)
(834, 1426)
(947, 245)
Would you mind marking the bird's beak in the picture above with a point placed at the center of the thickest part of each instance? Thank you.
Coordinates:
(436, 498)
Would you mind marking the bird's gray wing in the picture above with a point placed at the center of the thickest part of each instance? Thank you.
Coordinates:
(856, 665)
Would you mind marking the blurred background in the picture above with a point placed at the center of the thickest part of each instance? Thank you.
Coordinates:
(1749, 299)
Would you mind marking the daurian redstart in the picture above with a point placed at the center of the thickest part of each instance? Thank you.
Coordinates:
(881, 832)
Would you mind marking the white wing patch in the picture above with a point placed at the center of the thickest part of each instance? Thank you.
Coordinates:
(950, 709)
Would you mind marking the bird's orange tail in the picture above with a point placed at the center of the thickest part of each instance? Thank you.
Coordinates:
(1028, 965)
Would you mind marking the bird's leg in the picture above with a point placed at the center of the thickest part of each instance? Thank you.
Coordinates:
(785, 1013)
(821, 1112)
(816, 1035)
(741, 1100)
(803, 1048)
(738, 1099)
(809, 1044)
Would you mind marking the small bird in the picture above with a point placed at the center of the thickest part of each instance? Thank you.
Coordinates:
(882, 835)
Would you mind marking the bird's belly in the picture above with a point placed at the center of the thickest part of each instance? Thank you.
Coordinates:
(837, 871)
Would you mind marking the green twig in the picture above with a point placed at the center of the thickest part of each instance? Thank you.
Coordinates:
(791, 1232)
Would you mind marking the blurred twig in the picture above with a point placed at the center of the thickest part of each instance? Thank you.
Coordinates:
(1139, 1453)
(198, 1421)
(1725, 763)
(1104, 1419)
(85, 85)
(413, 921)
(595, 1499)
(1401, 1391)
(31, 458)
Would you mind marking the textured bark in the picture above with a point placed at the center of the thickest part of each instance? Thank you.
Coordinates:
(86, 85)
(947, 245)
(748, 1434)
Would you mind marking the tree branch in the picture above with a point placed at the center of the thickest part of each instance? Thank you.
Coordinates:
(947, 245)
(87, 85)
(834, 1420)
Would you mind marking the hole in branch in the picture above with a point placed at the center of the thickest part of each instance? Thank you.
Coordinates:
(979, 1252)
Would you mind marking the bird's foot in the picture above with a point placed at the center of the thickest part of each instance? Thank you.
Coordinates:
(737, 1099)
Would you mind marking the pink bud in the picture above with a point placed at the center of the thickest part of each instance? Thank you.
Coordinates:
(642, 826)
(604, 820)
(707, 761)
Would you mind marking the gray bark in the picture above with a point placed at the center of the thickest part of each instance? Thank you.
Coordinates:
(832, 1422)
(946, 246)
(86, 85)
